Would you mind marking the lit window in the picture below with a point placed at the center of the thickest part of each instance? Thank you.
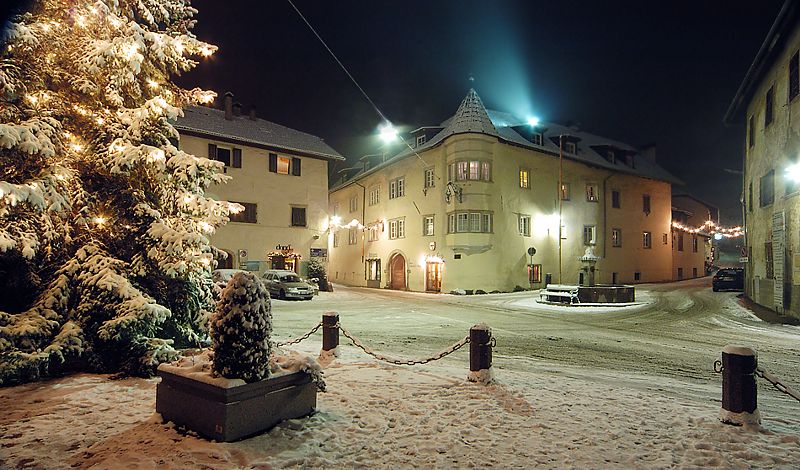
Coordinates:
(524, 178)
(565, 191)
(591, 192)
(463, 170)
(616, 237)
(474, 170)
(352, 236)
(647, 240)
(284, 163)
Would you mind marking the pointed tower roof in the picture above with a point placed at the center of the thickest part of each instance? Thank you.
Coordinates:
(470, 117)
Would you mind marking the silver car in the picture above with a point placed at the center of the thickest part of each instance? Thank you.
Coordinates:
(287, 285)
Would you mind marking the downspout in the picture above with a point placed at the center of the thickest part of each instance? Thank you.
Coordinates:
(605, 215)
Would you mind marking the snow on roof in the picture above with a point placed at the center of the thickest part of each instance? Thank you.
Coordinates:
(473, 117)
(211, 122)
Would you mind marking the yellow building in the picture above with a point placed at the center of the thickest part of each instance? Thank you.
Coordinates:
(768, 106)
(462, 209)
(279, 175)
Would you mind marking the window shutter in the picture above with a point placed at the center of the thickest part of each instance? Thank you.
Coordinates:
(212, 151)
(237, 158)
(273, 162)
(295, 166)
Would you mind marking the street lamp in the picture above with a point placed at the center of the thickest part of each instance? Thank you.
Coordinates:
(387, 132)
(793, 172)
(533, 121)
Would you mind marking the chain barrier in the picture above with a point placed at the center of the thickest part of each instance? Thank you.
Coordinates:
(402, 362)
(300, 338)
(766, 375)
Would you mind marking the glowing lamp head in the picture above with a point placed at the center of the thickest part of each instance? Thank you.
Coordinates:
(533, 121)
(336, 220)
(387, 132)
(717, 236)
(793, 172)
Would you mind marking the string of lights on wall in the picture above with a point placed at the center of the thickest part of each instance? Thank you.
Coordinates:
(711, 228)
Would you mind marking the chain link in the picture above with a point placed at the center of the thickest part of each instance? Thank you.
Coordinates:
(403, 362)
(766, 375)
(300, 338)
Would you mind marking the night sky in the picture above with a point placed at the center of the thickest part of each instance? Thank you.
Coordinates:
(639, 72)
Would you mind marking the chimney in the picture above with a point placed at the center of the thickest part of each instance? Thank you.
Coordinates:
(252, 113)
(649, 152)
(228, 105)
(237, 109)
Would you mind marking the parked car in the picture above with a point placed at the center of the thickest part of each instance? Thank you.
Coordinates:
(287, 285)
(728, 278)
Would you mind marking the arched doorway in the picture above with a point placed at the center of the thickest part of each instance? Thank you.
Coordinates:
(398, 272)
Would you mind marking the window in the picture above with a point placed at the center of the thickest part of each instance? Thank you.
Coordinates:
(427, 225)
(354, 203)
(768, 106)
(373, 269)
(647, 240)
(524, 182)
(373, 232)
(694, 243)
(591, 192)
(637, 276)
(646, 204)
(335, 239)
(616, 237)
(664, 239)
(352, 236)
(615, 199)
(397, 228)
(247, 216)
(397, 188)
(374, 195)
(680, 241)
(751, 132)
(589, 234)
(336, 209)
(420, 140)
(537, 138)
(611, 156)
(768, 258)
(222, 154)
(766, 189)
(463, 222)
(571, 147)
(298, 216)
(429, 178)
(524, 222)
(469, 170)
(565, 191)
(535, 273)
(280, 165)
(794, 76)
(750, 197)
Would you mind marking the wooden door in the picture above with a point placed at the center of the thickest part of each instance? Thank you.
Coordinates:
(398, 272)
(433, 277)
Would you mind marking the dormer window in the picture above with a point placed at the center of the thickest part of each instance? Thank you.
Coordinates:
(537, 138)
(611, 156)
(420, 140)
(570, 147)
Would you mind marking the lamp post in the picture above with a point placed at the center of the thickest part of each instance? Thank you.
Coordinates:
(560, 198)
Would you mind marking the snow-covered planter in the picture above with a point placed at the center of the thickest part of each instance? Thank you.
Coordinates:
(240, 388)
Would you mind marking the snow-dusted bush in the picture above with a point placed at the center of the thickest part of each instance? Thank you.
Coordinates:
(240, 330)
(317, 270)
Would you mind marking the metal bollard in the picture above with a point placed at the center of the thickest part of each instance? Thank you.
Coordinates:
(330, 331)
(739, 392)
(480, 354)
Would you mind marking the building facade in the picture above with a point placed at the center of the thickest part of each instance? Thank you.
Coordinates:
(768, 108)
(692, 246)
(477, 195)
(279, 175)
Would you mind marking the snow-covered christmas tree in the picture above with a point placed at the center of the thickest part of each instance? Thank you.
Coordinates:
(104, 225)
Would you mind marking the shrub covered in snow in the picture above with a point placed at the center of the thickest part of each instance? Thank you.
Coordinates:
(317, 270)
(240, 330)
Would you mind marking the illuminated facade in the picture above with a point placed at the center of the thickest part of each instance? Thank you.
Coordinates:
(768, 108)
(463, 208)
(693, 222)
(279, 175)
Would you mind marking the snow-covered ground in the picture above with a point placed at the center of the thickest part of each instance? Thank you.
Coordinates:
(575, 389)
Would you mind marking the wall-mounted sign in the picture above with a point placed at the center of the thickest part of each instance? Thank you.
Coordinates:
(432, 245)
(283, 247)
(242, 254)
(319, 252)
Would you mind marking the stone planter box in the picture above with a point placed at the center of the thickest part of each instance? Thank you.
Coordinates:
(229, 414)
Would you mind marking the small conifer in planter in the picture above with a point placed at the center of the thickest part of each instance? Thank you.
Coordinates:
(241, 328)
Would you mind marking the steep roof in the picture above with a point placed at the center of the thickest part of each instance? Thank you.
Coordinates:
(212, 123)
(473, 117)
(785, 23)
